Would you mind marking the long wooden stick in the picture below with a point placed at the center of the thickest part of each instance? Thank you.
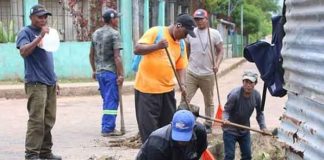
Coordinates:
(213, 61)
(235, 125)
(122, 122)
(177, 77)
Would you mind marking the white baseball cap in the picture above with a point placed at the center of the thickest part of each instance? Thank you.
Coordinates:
(250, 75)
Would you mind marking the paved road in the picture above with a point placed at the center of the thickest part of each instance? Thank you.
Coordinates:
(77, 131)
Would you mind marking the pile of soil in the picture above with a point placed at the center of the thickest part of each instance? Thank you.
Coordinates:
(263, 147)
(133, 142)
(102, 158)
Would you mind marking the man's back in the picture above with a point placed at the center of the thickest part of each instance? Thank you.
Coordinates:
(105, 40)
(160, 146)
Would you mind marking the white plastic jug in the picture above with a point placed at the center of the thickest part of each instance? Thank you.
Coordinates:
(51, 41)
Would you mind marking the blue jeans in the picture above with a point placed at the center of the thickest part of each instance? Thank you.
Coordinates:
(109, 92)
(229, 145)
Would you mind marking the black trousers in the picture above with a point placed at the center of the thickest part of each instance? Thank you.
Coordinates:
(153, 111)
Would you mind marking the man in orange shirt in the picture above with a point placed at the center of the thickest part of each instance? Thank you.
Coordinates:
(154, 84)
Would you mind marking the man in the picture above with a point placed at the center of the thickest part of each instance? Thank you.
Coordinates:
(202, 66)
(154, 86)
(107, 68)
(40, 86)
(182, 139)
(238, 109)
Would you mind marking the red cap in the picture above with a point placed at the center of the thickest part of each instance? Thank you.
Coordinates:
(200, 13)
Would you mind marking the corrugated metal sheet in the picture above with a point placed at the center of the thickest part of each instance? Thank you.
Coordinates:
(302, 126)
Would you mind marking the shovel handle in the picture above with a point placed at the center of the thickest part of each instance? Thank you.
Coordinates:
(121, 109)
(235, 125)
(213, 62)
(177, 77)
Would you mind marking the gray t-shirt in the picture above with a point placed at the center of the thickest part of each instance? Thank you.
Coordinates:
(104, 41)
(200, 60)
(238, 109)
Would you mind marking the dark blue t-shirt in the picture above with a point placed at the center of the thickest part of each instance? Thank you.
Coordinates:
(39, 65)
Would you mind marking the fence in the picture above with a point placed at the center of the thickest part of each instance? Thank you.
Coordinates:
(11, 19)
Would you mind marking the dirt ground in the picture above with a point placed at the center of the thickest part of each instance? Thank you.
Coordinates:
(76, 134)
(263, 147)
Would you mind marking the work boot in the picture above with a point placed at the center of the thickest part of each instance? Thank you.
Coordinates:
(113, 133)
(49, 156)
(31, 157)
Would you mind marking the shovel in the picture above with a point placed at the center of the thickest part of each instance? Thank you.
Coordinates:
(219, 111)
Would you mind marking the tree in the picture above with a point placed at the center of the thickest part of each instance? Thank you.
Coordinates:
(256, 14)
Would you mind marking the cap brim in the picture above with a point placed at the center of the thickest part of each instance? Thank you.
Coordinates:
(199, 17)
(41, 13)
(191, 33)
(252, 79)
(181, 136)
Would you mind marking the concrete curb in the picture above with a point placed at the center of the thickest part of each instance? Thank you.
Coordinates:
(231, 67)
(66, 91)
(89, 89)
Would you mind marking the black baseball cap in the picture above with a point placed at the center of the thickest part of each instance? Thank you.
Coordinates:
(110, 14)
(187, 22)
(39, 10)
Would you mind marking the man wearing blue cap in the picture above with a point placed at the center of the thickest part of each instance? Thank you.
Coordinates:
(182, 139)
(40, 86)
(107, 69)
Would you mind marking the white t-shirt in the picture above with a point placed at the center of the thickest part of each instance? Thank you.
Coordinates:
(200, 60)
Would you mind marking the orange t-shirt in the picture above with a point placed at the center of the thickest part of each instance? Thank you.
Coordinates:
(155, 74)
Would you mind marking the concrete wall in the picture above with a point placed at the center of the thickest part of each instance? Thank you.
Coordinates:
(71, 61)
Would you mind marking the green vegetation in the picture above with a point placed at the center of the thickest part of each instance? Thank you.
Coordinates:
(256, 15)
(7, 34)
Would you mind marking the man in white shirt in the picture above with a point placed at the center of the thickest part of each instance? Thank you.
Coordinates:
(200, 71)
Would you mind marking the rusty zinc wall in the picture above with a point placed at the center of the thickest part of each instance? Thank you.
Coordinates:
(302, 124)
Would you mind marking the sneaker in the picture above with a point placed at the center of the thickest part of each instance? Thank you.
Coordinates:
(113, 133)
(208, 129)
(50, 156)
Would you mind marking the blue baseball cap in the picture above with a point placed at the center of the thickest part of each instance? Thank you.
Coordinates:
(182, 125)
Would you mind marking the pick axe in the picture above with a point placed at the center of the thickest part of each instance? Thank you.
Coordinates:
(178, 80)
(122, 123)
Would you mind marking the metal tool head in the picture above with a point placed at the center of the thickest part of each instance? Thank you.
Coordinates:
(193, 108)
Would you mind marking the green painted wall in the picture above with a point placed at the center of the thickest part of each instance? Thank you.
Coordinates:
(27, 6)
(146, 19)
(161, 17)
(11, 64)
(71, 61)
(127, 35)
